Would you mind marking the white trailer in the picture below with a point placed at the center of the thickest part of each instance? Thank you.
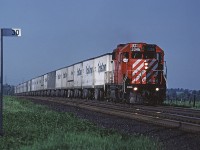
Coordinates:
(78, 69)
(64, 78)
(58, 79)
(102, 65)
(61, 81)
(88, 74)
(33, 86)
(25, 87)
(40, 83)
(70, 81)
(45, 82)
(29, 85)
(70, 77)
(88, 78)
(103, 68)
(37, 85)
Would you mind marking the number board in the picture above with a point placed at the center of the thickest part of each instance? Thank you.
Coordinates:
(11, 32)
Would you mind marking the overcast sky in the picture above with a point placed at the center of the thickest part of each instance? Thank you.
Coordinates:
(57, 33)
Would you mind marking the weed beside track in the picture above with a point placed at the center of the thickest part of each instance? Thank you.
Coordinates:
(171, 138)
(29, 126)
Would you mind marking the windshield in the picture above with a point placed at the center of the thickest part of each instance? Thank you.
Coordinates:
(136, 55)
(149, 55)
(145, 55)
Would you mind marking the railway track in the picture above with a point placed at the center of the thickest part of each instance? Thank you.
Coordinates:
(171, 117)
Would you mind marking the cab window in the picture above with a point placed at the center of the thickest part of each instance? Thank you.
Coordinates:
(159, 57)
(126, 54)
(136, 55)
(149, 48)
(149, 55)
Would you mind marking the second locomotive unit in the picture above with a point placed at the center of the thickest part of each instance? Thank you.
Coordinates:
(133, 72)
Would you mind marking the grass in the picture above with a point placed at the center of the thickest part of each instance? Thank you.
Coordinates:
(34, 127)
(186, 104)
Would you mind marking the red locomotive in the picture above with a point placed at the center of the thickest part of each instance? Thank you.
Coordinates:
(139, 75)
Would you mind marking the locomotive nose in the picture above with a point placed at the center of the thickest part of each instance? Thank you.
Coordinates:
(139, 71)
(144, 71)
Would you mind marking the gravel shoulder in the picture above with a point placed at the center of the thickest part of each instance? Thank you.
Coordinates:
(172, 139)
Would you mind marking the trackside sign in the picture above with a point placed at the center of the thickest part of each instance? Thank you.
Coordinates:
(11, 32)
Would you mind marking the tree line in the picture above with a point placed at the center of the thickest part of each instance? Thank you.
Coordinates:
(8, 89)
(181, 94)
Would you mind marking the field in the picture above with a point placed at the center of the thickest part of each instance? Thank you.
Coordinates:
(28, 126)
(185, 103)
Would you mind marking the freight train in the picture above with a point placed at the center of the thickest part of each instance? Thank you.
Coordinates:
(133, 73)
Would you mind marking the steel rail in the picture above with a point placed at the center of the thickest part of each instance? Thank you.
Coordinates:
(176, 110)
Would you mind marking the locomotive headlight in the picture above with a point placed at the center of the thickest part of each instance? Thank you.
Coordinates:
(135, 88)
(146, 65)
(157, 89)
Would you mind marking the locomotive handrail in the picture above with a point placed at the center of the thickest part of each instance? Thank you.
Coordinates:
(124, 83)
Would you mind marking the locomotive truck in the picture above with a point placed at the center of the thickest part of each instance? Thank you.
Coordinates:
(133, 73)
